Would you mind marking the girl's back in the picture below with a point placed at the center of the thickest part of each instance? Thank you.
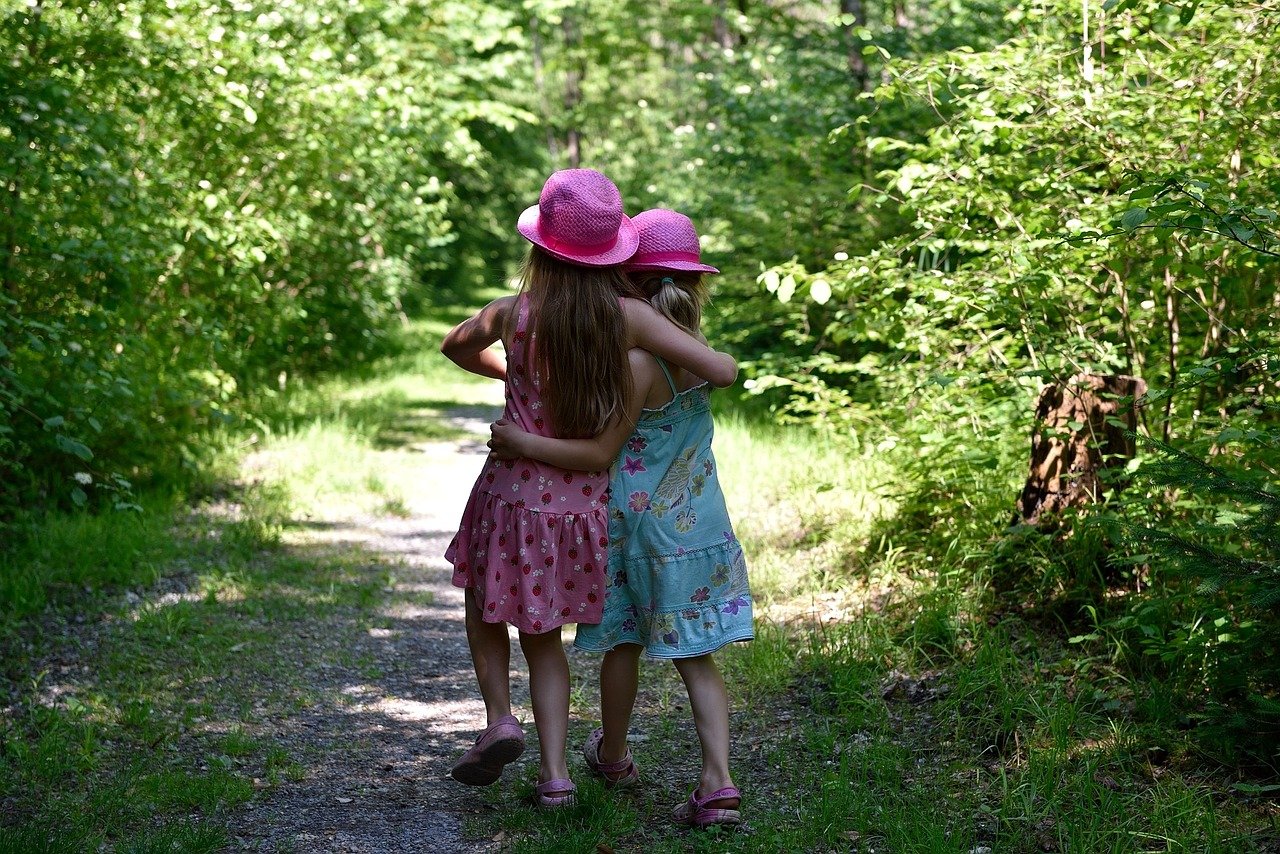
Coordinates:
(551, 534)
(531, 484)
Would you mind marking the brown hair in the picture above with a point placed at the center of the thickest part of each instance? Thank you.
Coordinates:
(581, 336)
(679, 296)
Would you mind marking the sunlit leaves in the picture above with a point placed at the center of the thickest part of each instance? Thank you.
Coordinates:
(202, 192)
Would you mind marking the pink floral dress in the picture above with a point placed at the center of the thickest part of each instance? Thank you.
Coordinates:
(534, 539)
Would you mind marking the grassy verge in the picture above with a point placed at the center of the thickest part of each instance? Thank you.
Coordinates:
(141, 652)
(131, 731)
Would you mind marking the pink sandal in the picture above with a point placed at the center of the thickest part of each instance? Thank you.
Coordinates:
(618, 774)
(696, 813)
(497, 746)
(555, 794)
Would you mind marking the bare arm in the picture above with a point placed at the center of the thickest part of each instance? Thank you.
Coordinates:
(467, 344)
(508, 441)
(661, 337)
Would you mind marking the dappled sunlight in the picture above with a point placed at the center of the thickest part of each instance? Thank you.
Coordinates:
(457, 717)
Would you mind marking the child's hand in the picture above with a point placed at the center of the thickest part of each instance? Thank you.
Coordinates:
(504, 440)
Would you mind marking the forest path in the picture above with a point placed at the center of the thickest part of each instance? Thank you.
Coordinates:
(397, 702)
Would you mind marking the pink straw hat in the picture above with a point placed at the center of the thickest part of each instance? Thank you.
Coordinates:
(579, 219)
(668, 241)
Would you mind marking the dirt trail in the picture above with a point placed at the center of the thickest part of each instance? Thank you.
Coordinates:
(378, 745)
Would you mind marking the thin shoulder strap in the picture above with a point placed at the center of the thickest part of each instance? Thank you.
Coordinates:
(666, 373)
(520, 323)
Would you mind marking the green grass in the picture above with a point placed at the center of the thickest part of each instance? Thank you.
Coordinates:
(154, 743)
(57, 556)
(800, 503)
(368, 427)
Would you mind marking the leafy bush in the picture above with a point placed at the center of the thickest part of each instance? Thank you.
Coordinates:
(201, 200)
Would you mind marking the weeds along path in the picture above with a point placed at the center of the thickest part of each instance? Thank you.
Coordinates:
(397, 703)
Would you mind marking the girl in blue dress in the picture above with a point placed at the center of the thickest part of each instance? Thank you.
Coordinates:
(677, 586)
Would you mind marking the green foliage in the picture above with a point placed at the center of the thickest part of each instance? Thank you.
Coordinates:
(1214, 552)
(925, 210)
(199, 201)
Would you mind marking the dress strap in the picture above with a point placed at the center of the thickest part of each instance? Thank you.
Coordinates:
(667, 373)
(521, 326)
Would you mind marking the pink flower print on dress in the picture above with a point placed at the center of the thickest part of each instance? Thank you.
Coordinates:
(702, 594)
(639, 502)
(633, 465)
(637, 443)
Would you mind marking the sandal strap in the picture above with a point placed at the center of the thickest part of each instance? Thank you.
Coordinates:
(718, 795)
(623, 764)
(556, 787)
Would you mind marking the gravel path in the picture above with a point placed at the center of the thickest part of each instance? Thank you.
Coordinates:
(378, 745)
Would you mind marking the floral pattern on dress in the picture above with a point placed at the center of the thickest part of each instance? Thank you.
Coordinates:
(677, 576)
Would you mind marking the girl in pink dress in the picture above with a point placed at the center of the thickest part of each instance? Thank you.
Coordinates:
(532, 546)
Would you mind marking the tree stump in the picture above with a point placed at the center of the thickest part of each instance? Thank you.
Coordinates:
(1074, 441)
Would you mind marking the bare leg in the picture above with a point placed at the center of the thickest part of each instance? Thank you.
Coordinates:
(549, 691)
(619, 678)
(491, 657)
(710, 702)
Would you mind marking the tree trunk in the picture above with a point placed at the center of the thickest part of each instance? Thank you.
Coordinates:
(901, 17)
(725, 37)
(857, 62)
(572, 90)
(1074, 440)
(539, 83)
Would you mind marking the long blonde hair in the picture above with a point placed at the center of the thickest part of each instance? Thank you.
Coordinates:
(679, 296)
(580, 333)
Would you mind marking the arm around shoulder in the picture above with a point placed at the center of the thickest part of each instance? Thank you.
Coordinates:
(508, 441)
(652, 331)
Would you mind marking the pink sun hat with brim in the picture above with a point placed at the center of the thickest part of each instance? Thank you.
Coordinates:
(579, 219)
(668, 241)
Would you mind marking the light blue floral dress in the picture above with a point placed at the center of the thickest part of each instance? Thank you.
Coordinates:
(677, 582)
